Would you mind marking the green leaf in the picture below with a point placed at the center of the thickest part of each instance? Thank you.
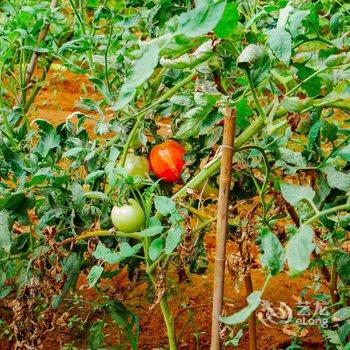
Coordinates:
(71, 267)
(125, 319)
(96, 337)
(344, 153)
(74, 152)
(280, 43)
(341, 315)
(156, 248)
(173, 239)
(249, 56)
(228, 23)
(151, 231)
(340, 92)
(190, 60)
(329, 130)
(94, 175)
(313, 86)
(201, 20)
(94, 275)
(5, 233)
(299, 249)
(295, 193)
(337, 179)
(284, 15)
(241, 316)
(243, 113)
(273, 256)
(293, 104)
(343, 267)
(49, 138)
(105, 254)
(111, 257)
(336, 23)
(5, 292)
(127, 251)
(293, 158)
(164, 205)
(295, 20)
(141, 71)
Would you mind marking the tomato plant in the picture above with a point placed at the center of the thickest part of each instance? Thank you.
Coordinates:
(167, 160)
(79, 204)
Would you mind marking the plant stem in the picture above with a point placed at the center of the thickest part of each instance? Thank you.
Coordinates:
(255, 96)
(169, 322)
(99, 233)
(327, 212)
(106, 58)
(221, 228)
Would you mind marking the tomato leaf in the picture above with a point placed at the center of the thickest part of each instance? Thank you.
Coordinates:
(152, 231)
(96, 337)
(299, 249)
(273, 256)
(253, 300)
(125, 319)
(156, 248)
(295, 20)
(337, 179)
(164, 205)
(341, 314)
(49, 138)
(343, 267)
(173, 239)
(312, 86)
(201, 20)
(71, 267)
(344, 152)
(94, 175)
(105, 254)
(94, 275)
(294, 193)
(280, 43)
(228, 22)
(243, 113)
(141, 71)
(249, 56)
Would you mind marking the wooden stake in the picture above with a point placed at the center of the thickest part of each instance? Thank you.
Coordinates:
(220, 244)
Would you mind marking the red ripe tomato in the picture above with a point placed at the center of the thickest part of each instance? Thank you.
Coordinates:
(167, 160)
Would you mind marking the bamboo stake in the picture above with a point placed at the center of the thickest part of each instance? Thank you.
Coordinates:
(220, 244)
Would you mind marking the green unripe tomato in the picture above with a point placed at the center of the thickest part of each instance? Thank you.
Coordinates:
(129, 217)
(137, 165)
